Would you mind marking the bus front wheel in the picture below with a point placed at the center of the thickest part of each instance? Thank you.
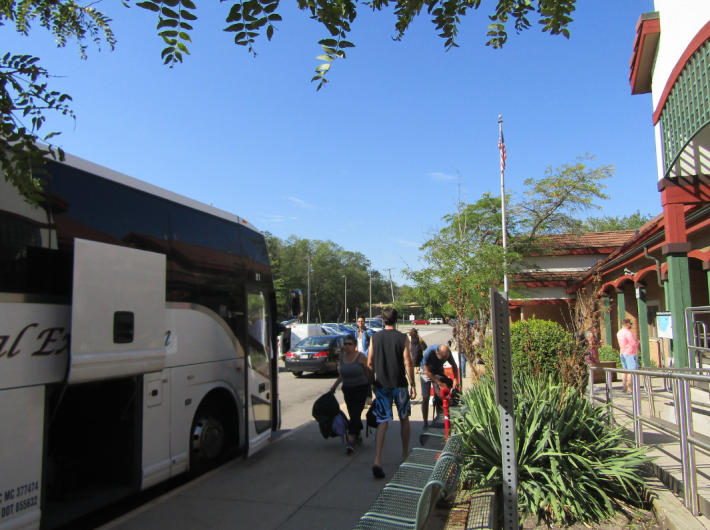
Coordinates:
(208, 437)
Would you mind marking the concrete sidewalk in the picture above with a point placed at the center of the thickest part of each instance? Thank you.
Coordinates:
(299, 482)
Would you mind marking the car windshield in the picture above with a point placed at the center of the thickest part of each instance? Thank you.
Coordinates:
(310, 342)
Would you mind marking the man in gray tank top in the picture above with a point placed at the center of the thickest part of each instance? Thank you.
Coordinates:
(392, 364)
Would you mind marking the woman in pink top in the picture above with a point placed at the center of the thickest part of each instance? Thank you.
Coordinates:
(628, 347)
(592, 356)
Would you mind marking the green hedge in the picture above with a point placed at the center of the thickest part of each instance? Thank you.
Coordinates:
(535, 345)
(607, 353)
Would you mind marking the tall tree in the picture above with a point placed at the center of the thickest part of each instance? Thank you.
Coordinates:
(330, 262)
(608, 223)
(553, 204)
(465, 258)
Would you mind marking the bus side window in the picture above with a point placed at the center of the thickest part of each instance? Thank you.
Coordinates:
(259, 343)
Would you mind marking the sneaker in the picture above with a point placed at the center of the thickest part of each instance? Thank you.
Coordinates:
(378, 472)
(358, 440)
(349, 448)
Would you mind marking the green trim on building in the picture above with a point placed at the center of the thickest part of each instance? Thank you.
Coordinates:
(643, 325)
(679, 298)
(687, 109)
(607, 321)
(621, 307)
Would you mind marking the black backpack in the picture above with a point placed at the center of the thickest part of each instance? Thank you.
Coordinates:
(325, 409)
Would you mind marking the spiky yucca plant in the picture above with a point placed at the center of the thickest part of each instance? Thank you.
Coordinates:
(571, 465)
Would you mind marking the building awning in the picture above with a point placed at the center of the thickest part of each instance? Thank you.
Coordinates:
(648, 32)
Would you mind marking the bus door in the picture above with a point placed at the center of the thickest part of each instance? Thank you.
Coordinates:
(118, 312)
(259, 372)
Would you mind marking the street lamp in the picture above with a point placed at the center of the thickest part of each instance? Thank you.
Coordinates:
(308, 306)
(345, 309)
(369, 264)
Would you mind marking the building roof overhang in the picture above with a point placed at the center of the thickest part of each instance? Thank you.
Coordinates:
(648, 32)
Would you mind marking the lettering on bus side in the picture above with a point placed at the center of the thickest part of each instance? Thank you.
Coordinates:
(53, 341)
(23, 495)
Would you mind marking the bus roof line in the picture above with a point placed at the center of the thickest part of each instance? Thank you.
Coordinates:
(121, 178)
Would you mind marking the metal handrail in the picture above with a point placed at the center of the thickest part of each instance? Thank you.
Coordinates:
(683, 431)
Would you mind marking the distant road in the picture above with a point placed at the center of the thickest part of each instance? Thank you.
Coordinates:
(297, 394)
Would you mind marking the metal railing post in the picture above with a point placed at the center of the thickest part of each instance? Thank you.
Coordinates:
(680, 418)
(681, 380)
(636, 399)
(651, 397)
(607, 376)
(692, 484)
(591, 386)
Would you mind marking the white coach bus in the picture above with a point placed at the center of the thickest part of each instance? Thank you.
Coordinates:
(137, 341)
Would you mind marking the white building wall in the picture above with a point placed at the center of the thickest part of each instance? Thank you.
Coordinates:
(548, 293)
(567, 262)
(680, 22)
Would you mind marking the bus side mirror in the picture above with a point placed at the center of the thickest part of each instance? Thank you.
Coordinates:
(295, 303)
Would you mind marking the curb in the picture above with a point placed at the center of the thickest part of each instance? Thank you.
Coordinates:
(671, 513)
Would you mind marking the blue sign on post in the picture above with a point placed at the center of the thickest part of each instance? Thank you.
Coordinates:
(664, 324)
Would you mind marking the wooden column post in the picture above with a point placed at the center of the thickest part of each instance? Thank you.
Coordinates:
(607, 321)
(643, 323)
(620, 305)
(679, 298)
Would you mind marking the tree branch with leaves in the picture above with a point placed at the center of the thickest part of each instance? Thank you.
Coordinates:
(247, 19)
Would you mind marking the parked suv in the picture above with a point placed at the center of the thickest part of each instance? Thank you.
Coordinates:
(436, 321)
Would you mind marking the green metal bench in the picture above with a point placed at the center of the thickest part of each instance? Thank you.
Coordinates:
(437, 428)
(401, 509)
(416, 477)
(428, 457)
(407, 500)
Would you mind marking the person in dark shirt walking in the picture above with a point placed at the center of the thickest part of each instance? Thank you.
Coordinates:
(391, 362)
(415, 348)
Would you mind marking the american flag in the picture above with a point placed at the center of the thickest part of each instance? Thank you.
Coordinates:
(501, 146)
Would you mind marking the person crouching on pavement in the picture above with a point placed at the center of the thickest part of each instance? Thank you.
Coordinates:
(433, 372)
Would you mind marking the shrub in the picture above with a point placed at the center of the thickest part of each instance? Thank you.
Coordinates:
(535, 346)
(571, 465)
(607, 353)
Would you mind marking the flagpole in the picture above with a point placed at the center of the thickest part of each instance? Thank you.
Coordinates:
(503, 156)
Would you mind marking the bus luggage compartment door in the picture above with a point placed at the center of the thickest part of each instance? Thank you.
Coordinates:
(118, 312)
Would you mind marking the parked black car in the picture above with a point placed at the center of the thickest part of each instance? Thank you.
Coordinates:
(316, 354)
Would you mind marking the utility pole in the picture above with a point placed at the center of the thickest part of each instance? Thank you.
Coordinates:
(345, 309)
(308, 302)
(369, 263)
(391, 285)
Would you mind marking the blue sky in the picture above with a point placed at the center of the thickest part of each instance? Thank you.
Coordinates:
(371, 161)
